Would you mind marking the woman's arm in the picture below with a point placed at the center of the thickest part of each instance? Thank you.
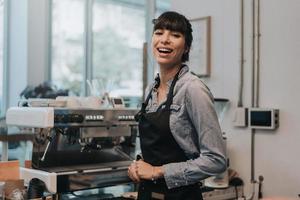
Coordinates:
(212, 157)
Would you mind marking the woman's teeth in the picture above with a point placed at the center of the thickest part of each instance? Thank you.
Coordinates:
(164, 50)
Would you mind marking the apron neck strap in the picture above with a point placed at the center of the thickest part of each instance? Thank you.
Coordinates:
(171, 90)
(170, 95)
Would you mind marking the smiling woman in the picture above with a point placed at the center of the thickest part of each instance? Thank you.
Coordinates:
(180, 136)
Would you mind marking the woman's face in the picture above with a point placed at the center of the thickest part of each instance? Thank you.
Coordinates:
(168, 47)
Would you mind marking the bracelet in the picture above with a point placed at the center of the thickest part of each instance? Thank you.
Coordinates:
(152, 178)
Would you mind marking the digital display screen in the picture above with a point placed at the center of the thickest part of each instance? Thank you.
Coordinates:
(261, 118)
(118, 101)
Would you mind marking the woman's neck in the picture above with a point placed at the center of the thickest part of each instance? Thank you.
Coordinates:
(166, 74)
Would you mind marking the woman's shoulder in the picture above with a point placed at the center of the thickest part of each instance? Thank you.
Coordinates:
(191, 80)
(193, 85)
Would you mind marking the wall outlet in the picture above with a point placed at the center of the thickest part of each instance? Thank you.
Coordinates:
(241, 117)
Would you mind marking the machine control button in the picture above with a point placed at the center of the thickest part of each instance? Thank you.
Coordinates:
(76, 118)
(125, 117)
(94, 117)
(60, 118)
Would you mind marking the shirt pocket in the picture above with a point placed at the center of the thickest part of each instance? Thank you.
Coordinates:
(175, 107)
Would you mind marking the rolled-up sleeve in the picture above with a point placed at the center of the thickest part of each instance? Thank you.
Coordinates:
(211, 158)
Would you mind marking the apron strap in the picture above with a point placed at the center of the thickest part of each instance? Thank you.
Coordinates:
(145, 103)
(171, 91)
(170, 95)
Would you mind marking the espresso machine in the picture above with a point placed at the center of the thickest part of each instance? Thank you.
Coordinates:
(75, 148)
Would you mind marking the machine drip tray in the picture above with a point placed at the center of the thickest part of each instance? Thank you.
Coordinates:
(60, 161)
(88, 167)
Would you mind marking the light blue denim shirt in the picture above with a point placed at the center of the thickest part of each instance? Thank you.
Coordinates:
(194, 125)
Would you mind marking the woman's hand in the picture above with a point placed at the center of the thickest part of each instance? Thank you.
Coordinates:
(144, 170)
(147, 171)
(141, 170)
(132, 172)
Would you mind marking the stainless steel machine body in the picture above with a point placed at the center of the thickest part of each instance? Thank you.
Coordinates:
(77, 149)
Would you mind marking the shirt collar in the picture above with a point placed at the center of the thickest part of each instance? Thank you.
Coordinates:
(183, 70)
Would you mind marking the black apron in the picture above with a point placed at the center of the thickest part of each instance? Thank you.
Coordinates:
(159, 147)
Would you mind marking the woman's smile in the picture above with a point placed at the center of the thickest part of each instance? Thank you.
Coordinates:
(168, 46)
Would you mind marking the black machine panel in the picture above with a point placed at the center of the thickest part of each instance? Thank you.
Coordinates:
(93, 117)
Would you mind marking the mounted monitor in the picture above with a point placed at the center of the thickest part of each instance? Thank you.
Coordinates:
(263, 118)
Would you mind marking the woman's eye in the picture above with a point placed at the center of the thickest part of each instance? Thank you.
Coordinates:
(177, 35)
(158, 33)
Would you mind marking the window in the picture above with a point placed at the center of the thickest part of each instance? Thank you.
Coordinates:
(99, 40)
(118, 46)
(68, 44)
(162, 6)
(1, 55)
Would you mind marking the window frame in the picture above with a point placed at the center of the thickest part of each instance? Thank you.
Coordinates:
(5, 80)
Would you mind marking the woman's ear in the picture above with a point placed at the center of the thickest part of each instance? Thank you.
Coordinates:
(186, 50)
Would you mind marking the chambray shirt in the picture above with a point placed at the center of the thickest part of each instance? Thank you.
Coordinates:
(195, 127)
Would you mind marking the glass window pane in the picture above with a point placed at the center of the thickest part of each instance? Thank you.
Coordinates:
(1, 53)
(68, 44)
(20, 150)
(162, 6)
(118, 37)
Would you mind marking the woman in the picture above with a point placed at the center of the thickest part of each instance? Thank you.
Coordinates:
(180, 136)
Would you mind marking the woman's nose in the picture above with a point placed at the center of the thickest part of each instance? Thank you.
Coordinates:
(165, 38)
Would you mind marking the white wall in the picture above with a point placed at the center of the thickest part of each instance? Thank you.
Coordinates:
(276, 152)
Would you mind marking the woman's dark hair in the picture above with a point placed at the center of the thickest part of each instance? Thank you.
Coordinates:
(174, 21)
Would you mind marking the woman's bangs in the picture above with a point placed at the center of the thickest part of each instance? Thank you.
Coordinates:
(169, 24)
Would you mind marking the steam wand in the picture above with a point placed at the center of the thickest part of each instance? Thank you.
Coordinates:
(47, 147)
